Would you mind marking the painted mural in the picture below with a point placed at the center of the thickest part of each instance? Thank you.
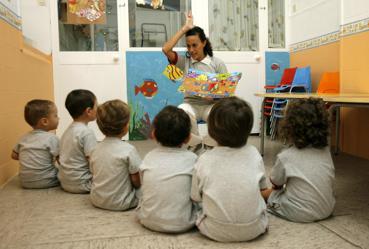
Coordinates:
(149, 90)
(275, 63)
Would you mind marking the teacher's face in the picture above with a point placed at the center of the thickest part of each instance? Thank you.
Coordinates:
(195, 47)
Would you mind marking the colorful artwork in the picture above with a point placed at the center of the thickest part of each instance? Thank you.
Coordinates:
(173, 73)
(211, 85)
(173, 5)
(86, 12)
(148, 90)
(275, 63)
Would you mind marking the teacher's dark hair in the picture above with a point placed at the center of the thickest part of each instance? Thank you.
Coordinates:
(208, 50)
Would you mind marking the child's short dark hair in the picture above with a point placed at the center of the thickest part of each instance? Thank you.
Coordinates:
(172, 126)
(306, 122)
(230, 122)
(78, 101)
(37, 109)
(112, 117)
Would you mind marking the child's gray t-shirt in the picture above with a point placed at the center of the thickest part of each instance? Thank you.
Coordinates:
(37, 152)
(308, 174)
(228, 182)
(112, 161)
(166, 186)
(76, 144)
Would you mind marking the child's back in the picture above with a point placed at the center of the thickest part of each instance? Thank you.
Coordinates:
(38, 149)
(77, 142)
(114, 163)
(166, 205)
(303, 174)
(166, 176)
(228, 179)
(308, 195)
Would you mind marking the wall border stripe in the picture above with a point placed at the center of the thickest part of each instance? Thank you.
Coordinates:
(10, 17)
(345, 30)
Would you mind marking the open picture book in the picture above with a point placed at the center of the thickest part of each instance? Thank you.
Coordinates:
(212, 85)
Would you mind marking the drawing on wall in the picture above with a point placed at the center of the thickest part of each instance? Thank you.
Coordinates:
(173, 73)
(172, 5)
(148, 90)
(210, 85)
(275, 63)
(86, 12)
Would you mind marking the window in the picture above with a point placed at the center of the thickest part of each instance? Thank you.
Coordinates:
(234, 25)
(91, 27)
(276, 24)
(153, 22)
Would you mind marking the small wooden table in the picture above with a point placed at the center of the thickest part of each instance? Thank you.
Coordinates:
(337, 100)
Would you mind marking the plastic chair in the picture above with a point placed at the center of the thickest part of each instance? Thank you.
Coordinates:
(277, 113)
(286, 80)
(301, 82)
(329, 83)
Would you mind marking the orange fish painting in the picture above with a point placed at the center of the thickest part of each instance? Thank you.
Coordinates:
(149, 88)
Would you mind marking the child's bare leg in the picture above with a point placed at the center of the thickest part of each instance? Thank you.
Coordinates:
(266, 193)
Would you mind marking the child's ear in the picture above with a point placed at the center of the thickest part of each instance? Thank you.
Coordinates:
(126, 128)
(88, 110)
(44, 121)
(187, 139)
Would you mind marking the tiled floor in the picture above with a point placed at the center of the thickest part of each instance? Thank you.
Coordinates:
(55, 219)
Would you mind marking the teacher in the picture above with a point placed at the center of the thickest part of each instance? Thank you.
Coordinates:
(199, 56)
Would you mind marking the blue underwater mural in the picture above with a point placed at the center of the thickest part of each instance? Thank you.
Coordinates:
(148, 90)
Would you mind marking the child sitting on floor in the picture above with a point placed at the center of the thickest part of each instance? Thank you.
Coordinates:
(303, 174)
(38, 150)
(228, 179)
(114, 163)
(77, 142)
(166, 175)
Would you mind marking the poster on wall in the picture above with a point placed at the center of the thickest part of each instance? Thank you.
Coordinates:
(172, 5)
(85, 12)
(149, 90)
(10, 12)
(275, 63)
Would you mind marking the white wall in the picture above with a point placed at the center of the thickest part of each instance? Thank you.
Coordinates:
(36, 27)
(354, 10)
(313, 18)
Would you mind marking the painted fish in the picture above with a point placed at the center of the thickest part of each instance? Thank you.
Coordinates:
(275, 66)
(173, 73)
(148, 88)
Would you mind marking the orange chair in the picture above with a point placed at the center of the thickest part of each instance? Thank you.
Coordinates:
(329, 83)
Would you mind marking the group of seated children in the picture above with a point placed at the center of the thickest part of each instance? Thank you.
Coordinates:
(224, 191)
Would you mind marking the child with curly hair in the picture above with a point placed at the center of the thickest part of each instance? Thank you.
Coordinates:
(303, 175)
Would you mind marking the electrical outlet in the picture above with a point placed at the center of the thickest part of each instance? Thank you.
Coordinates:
(294, 8)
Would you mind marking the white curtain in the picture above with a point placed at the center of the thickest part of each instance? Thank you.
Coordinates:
(234, 25)
(276, 34)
